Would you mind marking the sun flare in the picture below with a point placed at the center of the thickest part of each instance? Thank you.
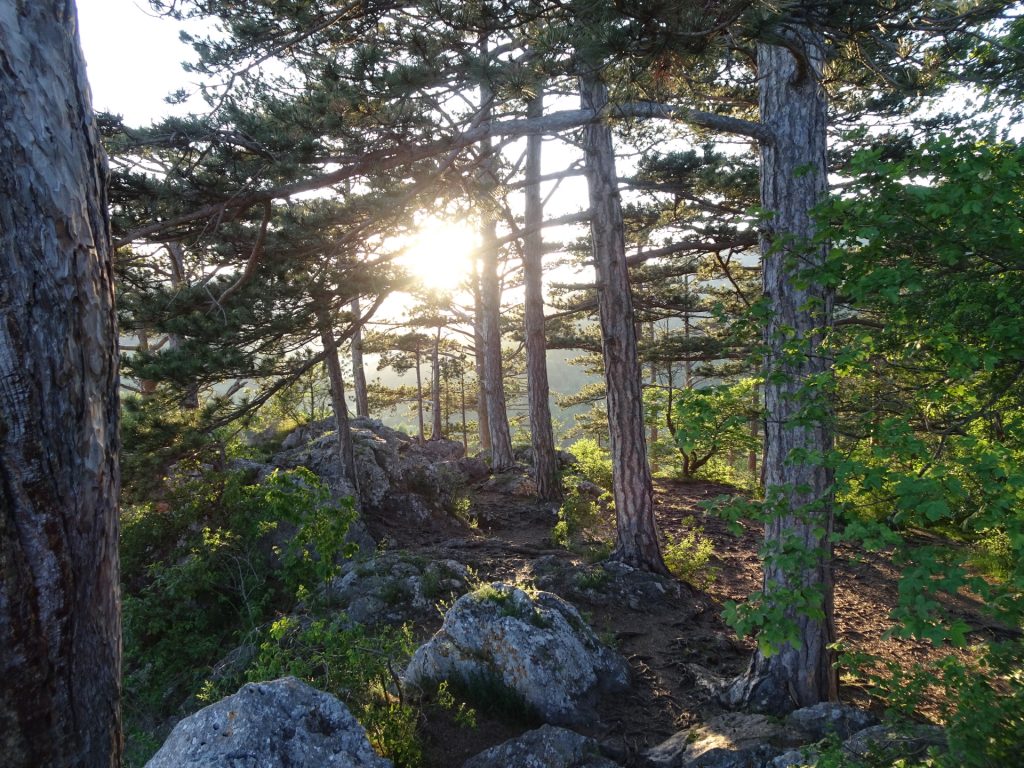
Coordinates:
(440, 254)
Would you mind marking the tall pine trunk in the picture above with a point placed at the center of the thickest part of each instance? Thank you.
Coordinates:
(636, 532)
(436, 427)
(798, 491)
(358, 372)
(545, 460)
(421, 434)
(60, 625)
(482, 422)
(346, 448)
(490, 306)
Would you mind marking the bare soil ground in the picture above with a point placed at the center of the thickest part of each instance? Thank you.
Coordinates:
(673, 636)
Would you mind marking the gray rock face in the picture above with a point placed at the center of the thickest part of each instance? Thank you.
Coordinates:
(546, 747)
(538, 647)
(512, 483)
(732, 740)
(394, 588)
(884, 742)
(825, 719)
(390, 466)
(280, 724)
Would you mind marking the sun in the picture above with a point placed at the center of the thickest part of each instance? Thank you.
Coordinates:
(440, 254)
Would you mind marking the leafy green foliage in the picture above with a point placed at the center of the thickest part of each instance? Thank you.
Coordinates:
(577, 514)
(592, 462)
(687, 556)
(928, 258)
(714, 420)
(343, 658)
(205, 569)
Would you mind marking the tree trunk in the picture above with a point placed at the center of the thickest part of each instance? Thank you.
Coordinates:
(419, 398)
(490, 294)
(346, 448)
(636, 532)
(147, 387)
(358, 372)
(755, 430)
(652, 437)
(436, 428)
(482, 422)
(542, 438)
(60, 625)
(798, 493)
(190, 400)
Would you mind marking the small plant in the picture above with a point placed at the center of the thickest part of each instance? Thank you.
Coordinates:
(592, 462)
(577, 514)
(593, 578)
(465, 715)
(493, 696)
(688, 555)
(395, 592)
(508, 605)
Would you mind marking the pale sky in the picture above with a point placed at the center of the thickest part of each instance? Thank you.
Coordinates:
(133, 59)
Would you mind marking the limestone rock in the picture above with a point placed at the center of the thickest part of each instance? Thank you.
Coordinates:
(396, 588)
(827, 718)
(280, 724)
(732, 740)
(889, 743)
(389, 465)
(795, 758)
(546, 747)
(538, 647)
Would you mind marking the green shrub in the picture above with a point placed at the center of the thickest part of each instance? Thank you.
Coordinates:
(359, 667)
(687, 556)
(576, 514)
(592, 462)
(201, 574)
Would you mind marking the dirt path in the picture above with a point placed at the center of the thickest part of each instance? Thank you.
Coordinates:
(671, 633)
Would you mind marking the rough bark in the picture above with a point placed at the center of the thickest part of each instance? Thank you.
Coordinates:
(482, 423)
(358, 372)
(636, 531)
(542, 438)
(346, 448)
(436, 427)
(60, 627)
(490, 306)
(798, 492)
(421, 434)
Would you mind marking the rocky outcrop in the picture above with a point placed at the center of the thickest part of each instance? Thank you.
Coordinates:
(396, 588)
(732, 740)
(884, 744)
(830, 719)
(280, 724)
(394, 472)
(546, 747)
(738, 740)
(538, 648)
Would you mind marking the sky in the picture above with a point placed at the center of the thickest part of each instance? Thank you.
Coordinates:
(133, 58)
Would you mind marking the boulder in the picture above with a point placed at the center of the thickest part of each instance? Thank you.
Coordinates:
(891, 743)
(396, 588)
(538, 648)
(515, 482)
(389, 464)
(827, 718)
(546, 747)
(279, 724)
(732, 740)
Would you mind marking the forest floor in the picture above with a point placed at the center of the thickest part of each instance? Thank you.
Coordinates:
(677, 643)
